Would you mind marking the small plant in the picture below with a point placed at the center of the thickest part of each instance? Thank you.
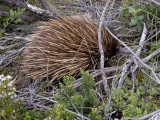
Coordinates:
(11, 109)
(137, 14)
(6, 95)
(134, 14)
(136, 19)
(13, 17)
(136, 103)
(82, 102)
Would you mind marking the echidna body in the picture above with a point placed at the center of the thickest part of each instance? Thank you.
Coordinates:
(61, 47)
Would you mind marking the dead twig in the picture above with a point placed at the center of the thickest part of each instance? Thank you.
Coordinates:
(150, 115)
(97, 73)
(12, 47)
(130, 61)
(155, 2)
(31, 11)
(35, 100)
(106, 87)
(146, 59)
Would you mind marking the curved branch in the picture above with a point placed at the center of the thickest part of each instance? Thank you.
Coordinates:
(31, 11)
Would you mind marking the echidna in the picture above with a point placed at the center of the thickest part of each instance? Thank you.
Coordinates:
(61, 47)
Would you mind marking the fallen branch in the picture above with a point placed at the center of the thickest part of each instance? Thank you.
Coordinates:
(11, 52)
(130, 61)
(106, 87)
(31, 11)
(97, 73)
(155, 2)
(149, 115)
(36, 97)
(146, 59)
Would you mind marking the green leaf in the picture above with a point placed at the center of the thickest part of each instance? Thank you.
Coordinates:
(150, 97)
(138, 10)
(134, 21)
(139, 27)
(140, 17)
(131, 10)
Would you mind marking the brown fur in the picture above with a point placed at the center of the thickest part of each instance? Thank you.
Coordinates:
(63, 46)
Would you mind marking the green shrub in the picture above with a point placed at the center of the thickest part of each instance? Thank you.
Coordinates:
(136, 103)
(11, 109)
(137, 14)
(13, 17)
(82, 102)
(7, 110)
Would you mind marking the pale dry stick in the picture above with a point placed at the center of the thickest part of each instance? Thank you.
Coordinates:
(142, 40)
(130, 61)
(146, 59)
(71, 102)
(149, 76)
(124, 70)
(27, 39)
(138, 52)
(106, 87)
(67, 3)
(46, 98)
(9, 58)
(134, 74)
(133, 78)
(148, 115)
(108, 78)
(79, 115)
(100, 96)
(97, 73)
(38, 10)
(143, 61)
(10, 46)
(155, 2)
(151, 69)
(127, 35)
(40, 97)
(39, 106)
(5, 39)
(155, 117)
(153, 35)
(106, 70)
(20, 41)
(55, 102)
(31, 92)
